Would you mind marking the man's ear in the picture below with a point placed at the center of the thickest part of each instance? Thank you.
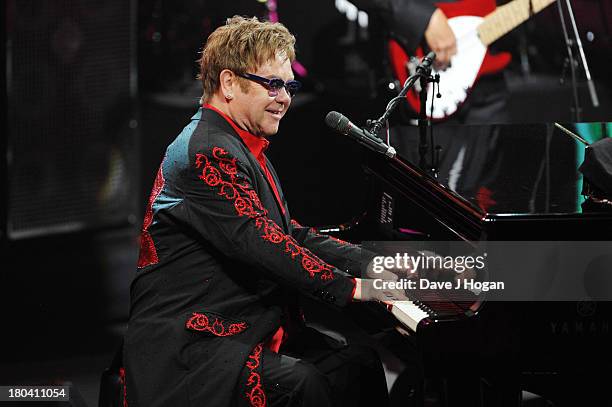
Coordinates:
(227, 83)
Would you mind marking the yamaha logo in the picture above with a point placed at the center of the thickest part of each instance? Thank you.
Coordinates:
(586, 308)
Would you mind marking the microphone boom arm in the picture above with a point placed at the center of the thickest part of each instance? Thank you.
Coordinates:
(422, 71)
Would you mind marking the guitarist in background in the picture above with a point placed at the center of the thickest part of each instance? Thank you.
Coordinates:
(415, 23)
(421, 22)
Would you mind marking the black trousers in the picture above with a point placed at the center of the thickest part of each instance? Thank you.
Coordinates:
(313, 369)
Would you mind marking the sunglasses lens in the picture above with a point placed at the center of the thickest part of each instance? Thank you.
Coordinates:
(276, 84)
(293, 87)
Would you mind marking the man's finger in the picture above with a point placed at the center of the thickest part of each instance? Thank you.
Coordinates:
(388, 276)
(441, 59)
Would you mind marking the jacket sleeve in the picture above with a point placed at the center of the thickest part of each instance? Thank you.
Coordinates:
(406, 19)
(349, 257)
(225, 210)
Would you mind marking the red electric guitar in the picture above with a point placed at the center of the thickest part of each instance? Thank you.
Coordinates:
(476, 24)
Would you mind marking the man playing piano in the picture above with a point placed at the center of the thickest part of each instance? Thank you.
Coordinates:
(215, 315)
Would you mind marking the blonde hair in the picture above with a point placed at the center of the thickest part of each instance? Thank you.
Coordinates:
(242, 45)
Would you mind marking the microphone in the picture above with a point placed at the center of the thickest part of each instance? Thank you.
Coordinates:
(342, 124)
(425, 64)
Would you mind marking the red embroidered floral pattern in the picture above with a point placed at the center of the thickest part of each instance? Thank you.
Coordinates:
(219, 327)
(247, 203)
(148, 253)
(122, 380)
(255, 391)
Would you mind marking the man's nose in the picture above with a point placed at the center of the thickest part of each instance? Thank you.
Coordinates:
(283, 96)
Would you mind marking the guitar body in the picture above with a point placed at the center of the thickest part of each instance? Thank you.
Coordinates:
(472, 60)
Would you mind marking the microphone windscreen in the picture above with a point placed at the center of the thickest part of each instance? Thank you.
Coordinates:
(332, 119)
(336, 121)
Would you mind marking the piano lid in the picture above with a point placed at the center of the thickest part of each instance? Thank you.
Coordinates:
(508, 170)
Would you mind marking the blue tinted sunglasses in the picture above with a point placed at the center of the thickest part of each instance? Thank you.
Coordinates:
(274, 85)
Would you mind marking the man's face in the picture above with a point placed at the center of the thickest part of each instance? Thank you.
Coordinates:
(257, 111)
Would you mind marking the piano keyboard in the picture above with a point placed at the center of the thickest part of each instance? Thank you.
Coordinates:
(408, 313)
(431, 305)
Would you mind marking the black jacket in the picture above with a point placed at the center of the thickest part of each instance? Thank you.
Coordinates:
(219, 266)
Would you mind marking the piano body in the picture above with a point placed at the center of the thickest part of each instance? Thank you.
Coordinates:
(496, 183)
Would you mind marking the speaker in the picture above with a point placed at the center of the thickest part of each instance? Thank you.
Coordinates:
(72, 149)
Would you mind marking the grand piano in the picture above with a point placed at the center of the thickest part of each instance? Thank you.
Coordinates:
(495, 183)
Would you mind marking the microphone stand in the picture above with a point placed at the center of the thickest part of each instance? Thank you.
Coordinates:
(585, 65)
(423, 124)
(423, 73)
(572, 61)
(375, 125)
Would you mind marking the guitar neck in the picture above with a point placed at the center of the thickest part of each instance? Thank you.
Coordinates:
(505, 18)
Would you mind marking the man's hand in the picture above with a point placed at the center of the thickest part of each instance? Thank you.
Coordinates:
(365, 291)
(440, 39)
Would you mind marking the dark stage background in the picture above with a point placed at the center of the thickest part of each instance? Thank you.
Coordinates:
(95, 90)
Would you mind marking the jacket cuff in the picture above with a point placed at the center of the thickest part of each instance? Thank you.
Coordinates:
(339, 292)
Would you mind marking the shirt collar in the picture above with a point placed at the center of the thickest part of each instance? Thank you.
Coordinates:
(256, 145)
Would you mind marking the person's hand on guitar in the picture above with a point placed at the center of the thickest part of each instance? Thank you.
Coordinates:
(440, 39)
